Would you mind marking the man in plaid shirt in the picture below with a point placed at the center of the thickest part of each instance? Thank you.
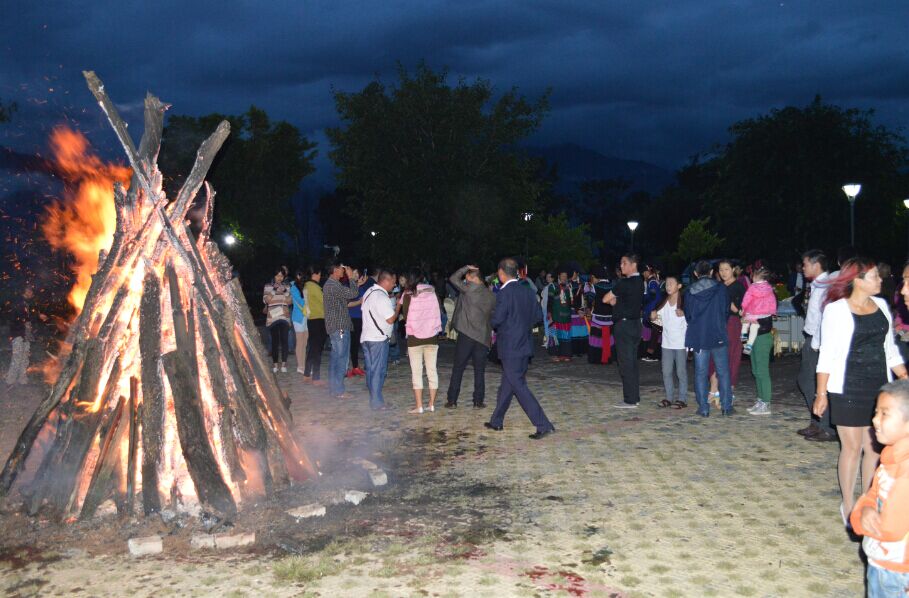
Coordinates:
(337, 323)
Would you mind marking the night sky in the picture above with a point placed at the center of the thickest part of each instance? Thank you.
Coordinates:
(654, 81)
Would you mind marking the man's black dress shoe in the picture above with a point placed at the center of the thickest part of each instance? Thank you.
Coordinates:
(541, 434)
(492, 427)
(450, 405)
(730, 411)
(479, 405)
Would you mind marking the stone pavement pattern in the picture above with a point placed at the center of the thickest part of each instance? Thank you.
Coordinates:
(646, 502)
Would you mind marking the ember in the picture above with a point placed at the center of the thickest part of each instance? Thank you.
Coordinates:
(164, 391)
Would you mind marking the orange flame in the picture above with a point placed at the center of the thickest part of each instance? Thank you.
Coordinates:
(83, 222)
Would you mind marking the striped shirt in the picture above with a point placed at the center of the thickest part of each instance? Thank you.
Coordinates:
(335, 297)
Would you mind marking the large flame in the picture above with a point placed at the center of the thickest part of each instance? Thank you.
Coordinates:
(83, 222)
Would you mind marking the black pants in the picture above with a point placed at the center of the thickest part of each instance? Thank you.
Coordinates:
(314, 347)
(467, 350)
(355, 342)
(807, 383)
(514, 384)
(279, 331)
(627, 335)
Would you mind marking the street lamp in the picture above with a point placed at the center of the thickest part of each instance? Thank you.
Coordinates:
(852, 190)
(229, 239)
(632, 225)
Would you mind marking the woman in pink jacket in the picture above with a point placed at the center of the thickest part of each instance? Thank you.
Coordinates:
(423, 323)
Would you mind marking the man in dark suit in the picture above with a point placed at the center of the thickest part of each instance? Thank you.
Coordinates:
(515, 313)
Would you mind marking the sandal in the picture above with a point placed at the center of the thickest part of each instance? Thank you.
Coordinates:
(664, 403)
(679, 405)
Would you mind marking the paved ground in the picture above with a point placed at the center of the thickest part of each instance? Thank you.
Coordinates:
(650, 502)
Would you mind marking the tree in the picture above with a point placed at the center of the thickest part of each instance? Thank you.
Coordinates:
(255, 175)
(433, 169)
(557, 241)
(778, 183)
(697, 242)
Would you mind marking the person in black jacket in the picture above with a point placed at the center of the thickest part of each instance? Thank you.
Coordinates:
(513, 318)
(706, 308)
(627, 297)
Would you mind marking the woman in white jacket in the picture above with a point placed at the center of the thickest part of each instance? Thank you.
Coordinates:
(857, 356)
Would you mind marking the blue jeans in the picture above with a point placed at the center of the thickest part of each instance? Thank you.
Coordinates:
(883, 583)
(375, 358)
(720, 357)
(337, 365)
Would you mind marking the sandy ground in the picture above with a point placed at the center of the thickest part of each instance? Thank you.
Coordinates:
(649, 502)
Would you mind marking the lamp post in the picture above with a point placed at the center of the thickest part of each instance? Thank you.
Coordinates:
(852, 190)
(229, 239)
(632, 225)
(527, 217)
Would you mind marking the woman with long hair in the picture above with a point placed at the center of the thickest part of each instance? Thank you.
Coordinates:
(857, 356)
(315, 324)
(276, 297)
(298, 318)
(423, 324)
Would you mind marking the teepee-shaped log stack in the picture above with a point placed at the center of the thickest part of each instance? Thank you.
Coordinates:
(165, 390)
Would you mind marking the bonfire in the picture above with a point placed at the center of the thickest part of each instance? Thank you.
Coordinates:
(164, 394)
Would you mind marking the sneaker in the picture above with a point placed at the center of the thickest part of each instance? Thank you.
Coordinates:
(760, 408)
(359, 372)
(301, 371)
(275, 369)
(284, 369)
(416, 411)
(349, 374)
(649, 358)
(747, 350)
(431, 408)
(626, 405)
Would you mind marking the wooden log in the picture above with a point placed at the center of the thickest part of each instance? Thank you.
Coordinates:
(56, 478)
(150, 144)
(152, 410)
(298, 464)
(99, 488)
(198, 453)
(211, 353)
(205, 156)
(208, 215)
(87, 386)
(133, 450)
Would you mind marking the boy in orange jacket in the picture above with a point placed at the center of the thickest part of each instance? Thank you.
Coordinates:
(882, 514)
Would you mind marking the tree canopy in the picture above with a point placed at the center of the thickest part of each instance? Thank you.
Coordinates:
(775, 189)
(255, 175)
(433, 168)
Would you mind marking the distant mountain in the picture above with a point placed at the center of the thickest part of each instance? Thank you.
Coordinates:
(576, 164)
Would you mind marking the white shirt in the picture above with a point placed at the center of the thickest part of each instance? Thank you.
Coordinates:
(377, 308)
(837, 328)
(674, 327)
(815, 308)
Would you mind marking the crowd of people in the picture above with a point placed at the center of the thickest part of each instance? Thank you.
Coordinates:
(852, 371)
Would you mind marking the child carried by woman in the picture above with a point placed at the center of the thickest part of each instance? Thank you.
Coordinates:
(759, 303)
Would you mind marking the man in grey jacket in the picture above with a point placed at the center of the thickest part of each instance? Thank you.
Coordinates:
(471, 321)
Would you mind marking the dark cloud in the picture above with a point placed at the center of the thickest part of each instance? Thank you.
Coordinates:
(651, 80)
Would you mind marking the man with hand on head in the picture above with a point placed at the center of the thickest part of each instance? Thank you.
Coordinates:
(337, 323)
(471, 321)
